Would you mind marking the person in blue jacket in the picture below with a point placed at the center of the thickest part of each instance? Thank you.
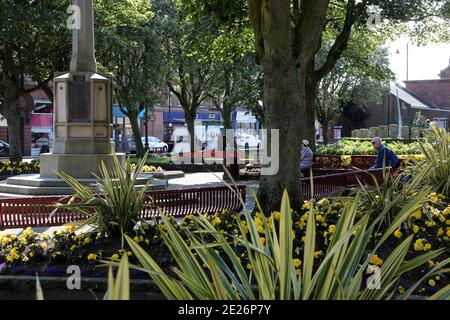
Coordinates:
(386, 157)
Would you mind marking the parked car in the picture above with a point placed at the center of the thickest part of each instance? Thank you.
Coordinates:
(4, 149)
(153, 144)
(247, 141)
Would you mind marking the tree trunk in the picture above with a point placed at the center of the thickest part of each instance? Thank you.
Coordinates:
(226, 115)
(190, 120)
(284, 111)
(325, 132)
(136, 134)
(310, 108)
(12, 115)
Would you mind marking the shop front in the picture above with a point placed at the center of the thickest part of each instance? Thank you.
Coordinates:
(41, 127)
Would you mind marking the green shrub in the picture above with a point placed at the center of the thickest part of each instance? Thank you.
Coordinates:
(203, 273)
(114, 205)
(434, 170)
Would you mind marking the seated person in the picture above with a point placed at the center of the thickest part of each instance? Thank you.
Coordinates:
(386, 157)
(306, 158)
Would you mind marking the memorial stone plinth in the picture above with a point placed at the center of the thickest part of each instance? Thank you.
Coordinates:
(82, 126)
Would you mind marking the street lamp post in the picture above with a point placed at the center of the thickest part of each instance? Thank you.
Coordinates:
(407, 60)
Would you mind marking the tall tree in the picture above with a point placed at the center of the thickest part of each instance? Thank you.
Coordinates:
(34, 40)
(288, 35)
(236, 84)
(191, 73)
(362, 77)
(129, 40)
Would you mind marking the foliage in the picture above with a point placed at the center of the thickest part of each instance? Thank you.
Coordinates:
(114, 205)
(129, 48)
(435, 168)
(361, 76)
(204, 273)
(364, 147)
(420, 121)
(428, 224)
(34, 42)
(14, 168)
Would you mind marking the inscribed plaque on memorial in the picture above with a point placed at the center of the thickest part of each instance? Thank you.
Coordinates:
(79, 100)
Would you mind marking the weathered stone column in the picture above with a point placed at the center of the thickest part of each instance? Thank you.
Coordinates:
(83, 53)
(82, 109)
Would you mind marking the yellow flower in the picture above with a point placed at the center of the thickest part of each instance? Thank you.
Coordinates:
(115, 257)
(446, 211)
(430, 224)
(297, 251)
(398, 234)
(426, 247)
(216, 221)
(431, 282)
(415, 228)
(376, 260)
(440, 232)
(129, 253)
(87, 240)
(448, 233)
(332, 228)
(323, 202)
(136, 239)
(277, 215)
(418, 245)
(73, 247)
(297, 263)
(262, 241)
(306, 205)
(401, 289)
(258, 221)
(317, 254)
(249, 266)
(27, 232)
(5, 241)
(92, 256)
(70, 228)
(260, 229)
(417, 214)
(44, 245)
(320, 218)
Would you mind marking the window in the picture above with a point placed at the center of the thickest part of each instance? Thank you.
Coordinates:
(442, 122)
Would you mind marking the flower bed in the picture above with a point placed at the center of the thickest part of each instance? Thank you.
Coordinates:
(49, 254)
(9, 169)
(364, 147)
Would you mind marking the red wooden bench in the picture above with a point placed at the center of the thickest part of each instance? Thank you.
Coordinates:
(335, 184)
(36, 212)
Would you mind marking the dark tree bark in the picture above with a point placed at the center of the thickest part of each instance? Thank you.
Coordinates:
(12, 115)
(285, 49)
(134, 122)
(325, 132)
(311, 87)
(190, 121)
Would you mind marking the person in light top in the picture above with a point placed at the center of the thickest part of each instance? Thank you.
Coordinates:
(306, 157)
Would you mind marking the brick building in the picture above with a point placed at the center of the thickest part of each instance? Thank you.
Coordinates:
(430, 97)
